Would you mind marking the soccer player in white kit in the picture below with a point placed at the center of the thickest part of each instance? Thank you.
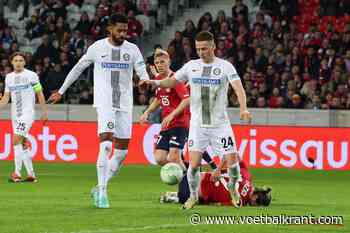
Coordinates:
(209, 78)
(22, 85)
(114, 60)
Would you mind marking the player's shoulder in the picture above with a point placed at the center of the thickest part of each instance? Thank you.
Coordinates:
(98, 44)
(9, 75)
(192, 63)
(224, 62)
(30, 72)
(129, 44)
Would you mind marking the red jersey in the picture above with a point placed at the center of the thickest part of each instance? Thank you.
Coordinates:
(216, 192)
(169, 99)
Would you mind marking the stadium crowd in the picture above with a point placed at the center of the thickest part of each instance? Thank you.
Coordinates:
(290, 54)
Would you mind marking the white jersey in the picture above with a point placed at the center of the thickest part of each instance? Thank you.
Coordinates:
(113, 73)
(21, 86)
(209, 85)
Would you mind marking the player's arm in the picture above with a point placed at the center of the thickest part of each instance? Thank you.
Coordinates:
(237, 86)
(182, 92)
(151, 108)
(37, 88)
(5, 99)
(180, 108)
(43, 106)
(73, 75)
(140, 66)
(170, 82)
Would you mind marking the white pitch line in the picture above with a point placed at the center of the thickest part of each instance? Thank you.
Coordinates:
(144, 228)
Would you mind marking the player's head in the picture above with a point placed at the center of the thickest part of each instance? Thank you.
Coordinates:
(18, 61)
(118, 28)
(162, 61)
(205, 46)
(261, 197)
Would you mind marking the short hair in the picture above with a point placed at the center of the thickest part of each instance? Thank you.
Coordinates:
(17, 54)
(117, 18)
(204, 36)
(161, 53)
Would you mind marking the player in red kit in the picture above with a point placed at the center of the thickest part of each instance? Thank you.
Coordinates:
(213, 190)
(175, 113)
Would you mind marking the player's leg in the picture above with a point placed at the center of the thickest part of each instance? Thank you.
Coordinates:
(197, 143)
(21, 129)
(106, 126)
(224, 144)
(28, 163)
(162, 148)
(18, 158)
(27, 159)
(177, 140)
(209, 160)
(121, 139)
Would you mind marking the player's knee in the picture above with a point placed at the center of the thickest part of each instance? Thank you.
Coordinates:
(106, 137)
(121, 144)
(174, 156)
(105, 149)
(160, 159)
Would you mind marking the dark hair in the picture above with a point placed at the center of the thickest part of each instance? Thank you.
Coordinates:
(263, 196)
(117, 18)
(204, 36)
(17, 54)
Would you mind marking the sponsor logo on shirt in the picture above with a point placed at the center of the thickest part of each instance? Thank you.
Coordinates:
(19, 87)
(206, 81)
(115, 65)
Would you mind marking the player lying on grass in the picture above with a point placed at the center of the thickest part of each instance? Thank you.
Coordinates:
(213, 190)
(175, 115)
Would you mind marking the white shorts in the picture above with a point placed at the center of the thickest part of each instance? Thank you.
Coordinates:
(22, 126)
(220, 139)
(116, 122)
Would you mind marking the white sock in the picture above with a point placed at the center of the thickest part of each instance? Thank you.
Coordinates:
(193, 177)
(27, 159)
(234, 173)
(102, 164)
(18, 149)
(115, 162)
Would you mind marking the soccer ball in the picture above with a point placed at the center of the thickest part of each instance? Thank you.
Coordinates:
(171, 173)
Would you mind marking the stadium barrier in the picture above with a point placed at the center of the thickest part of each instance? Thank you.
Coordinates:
(259, 146)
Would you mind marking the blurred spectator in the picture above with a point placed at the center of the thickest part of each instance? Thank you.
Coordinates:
(135, 28)
(84, 24)
(46, 49)
(240, 8)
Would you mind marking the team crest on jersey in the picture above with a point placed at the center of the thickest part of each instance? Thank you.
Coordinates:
(217, 71)
(190, 143)
(110, 125)
(168, 90)
(126, 57)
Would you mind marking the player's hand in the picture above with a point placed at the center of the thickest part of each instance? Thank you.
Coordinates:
(245, 115)
(215, 176)
(153, 70)
(44, 117)
(166, 121)
(143, 83)
(54, 98)
(144, 118)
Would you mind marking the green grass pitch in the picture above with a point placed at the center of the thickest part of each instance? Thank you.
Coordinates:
(60, 202)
